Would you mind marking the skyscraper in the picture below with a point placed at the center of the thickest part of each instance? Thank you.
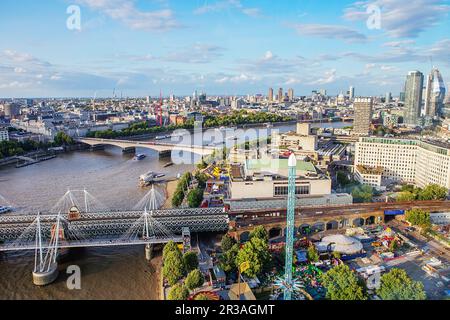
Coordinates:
(280, 95)
(270, 94)
(413, 97)
(388, 97)
(434, 94)
(363, 116)
(351, 93)
(291, 94)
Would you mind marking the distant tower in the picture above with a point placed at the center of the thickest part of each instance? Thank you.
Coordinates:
(434, 94)
(289, 283)
(351, 93)
(363, 116)
(280, 95)
(413, 97)
(291, 94)
(270, 97)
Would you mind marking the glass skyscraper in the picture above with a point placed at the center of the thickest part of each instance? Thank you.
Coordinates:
(413, 97)
(434, 94)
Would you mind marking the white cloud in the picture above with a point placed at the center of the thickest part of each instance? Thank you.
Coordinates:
(402, 19)
(228, 5)
(330, 76)
(329, 31)
(126, 12)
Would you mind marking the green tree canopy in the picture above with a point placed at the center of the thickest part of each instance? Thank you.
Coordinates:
(418, 217)
(170, 247)
(433, 192)
(194, 280)
(256, 252)
(195, 198)
(397, 285)
(178, 293)
(173, 269)
(261, 233)
(362, 194)
(228, 259)
(312, 254)
(227, 243)
(190, 261)
(342, 284)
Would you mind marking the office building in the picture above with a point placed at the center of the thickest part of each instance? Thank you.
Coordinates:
(291, 94)
(434, 94)
(280, 95)
(270, 96)
(413, 98)
(351, 93)
(363, 116)
(4, 134)
(400, 160)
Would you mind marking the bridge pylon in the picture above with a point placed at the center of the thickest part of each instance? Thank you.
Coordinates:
(45, 266)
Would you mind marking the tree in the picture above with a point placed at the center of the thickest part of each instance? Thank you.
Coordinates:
(342, 178)
(61, 138)
(227, 243)
(173, 269)
(170, 247)
(362, 194)
(256, 253)
(418, 217)
(228, 259)
(312, 254)
(397, 285)
(178, 292)
(261, 233)
(190, 261)
(195, 198)
(406, 196)
(194, 280)
(342, 284)
(433, 192)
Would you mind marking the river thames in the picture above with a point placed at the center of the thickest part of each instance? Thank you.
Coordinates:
(112, 178)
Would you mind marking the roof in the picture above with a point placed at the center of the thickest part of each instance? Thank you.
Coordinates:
(262, 165)
(340, 243)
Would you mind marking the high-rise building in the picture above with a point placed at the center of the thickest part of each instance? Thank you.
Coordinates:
(388, 97)
(291, 94)
(434, 94)
(11, 110)
(351, 93)
(4, 134)
(363, 116)
(413, 97)
(270, 96)
(280, 95)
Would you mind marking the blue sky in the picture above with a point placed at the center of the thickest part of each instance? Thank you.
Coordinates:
(139, 47)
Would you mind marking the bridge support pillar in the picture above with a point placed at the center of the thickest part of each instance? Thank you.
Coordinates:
(148, 252)
(129, 150)
(46, 277)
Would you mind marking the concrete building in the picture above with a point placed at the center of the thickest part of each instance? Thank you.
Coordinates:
(301, 140)
(434, 94)
(363, 116)
(351, 93)
(291, 94)
(280, 95)
(258, 179)
(413, 98)
(411, 161)
(371, 176)
(270, 96)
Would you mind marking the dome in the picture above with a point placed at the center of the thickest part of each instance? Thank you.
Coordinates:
(340, 243)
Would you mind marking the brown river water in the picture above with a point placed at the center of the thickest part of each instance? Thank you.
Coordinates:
(106, 273)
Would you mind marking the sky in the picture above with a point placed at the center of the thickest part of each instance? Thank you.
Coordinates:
(222, 47)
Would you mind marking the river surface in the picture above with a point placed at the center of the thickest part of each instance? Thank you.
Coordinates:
(111, 178)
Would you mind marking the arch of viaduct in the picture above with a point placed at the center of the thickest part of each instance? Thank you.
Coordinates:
(159, 147)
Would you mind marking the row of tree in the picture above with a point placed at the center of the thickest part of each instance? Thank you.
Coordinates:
(430, 192)
(177, 266)
(16, 148)
(342, 284)
(183, 185)
(418, 217)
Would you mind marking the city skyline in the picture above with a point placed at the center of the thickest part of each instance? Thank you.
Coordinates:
(228, 47)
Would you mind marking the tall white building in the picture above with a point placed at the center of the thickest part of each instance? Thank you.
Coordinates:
(410, 161)
(351, 93)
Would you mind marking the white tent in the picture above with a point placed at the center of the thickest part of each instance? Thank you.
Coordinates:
(340, 243)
